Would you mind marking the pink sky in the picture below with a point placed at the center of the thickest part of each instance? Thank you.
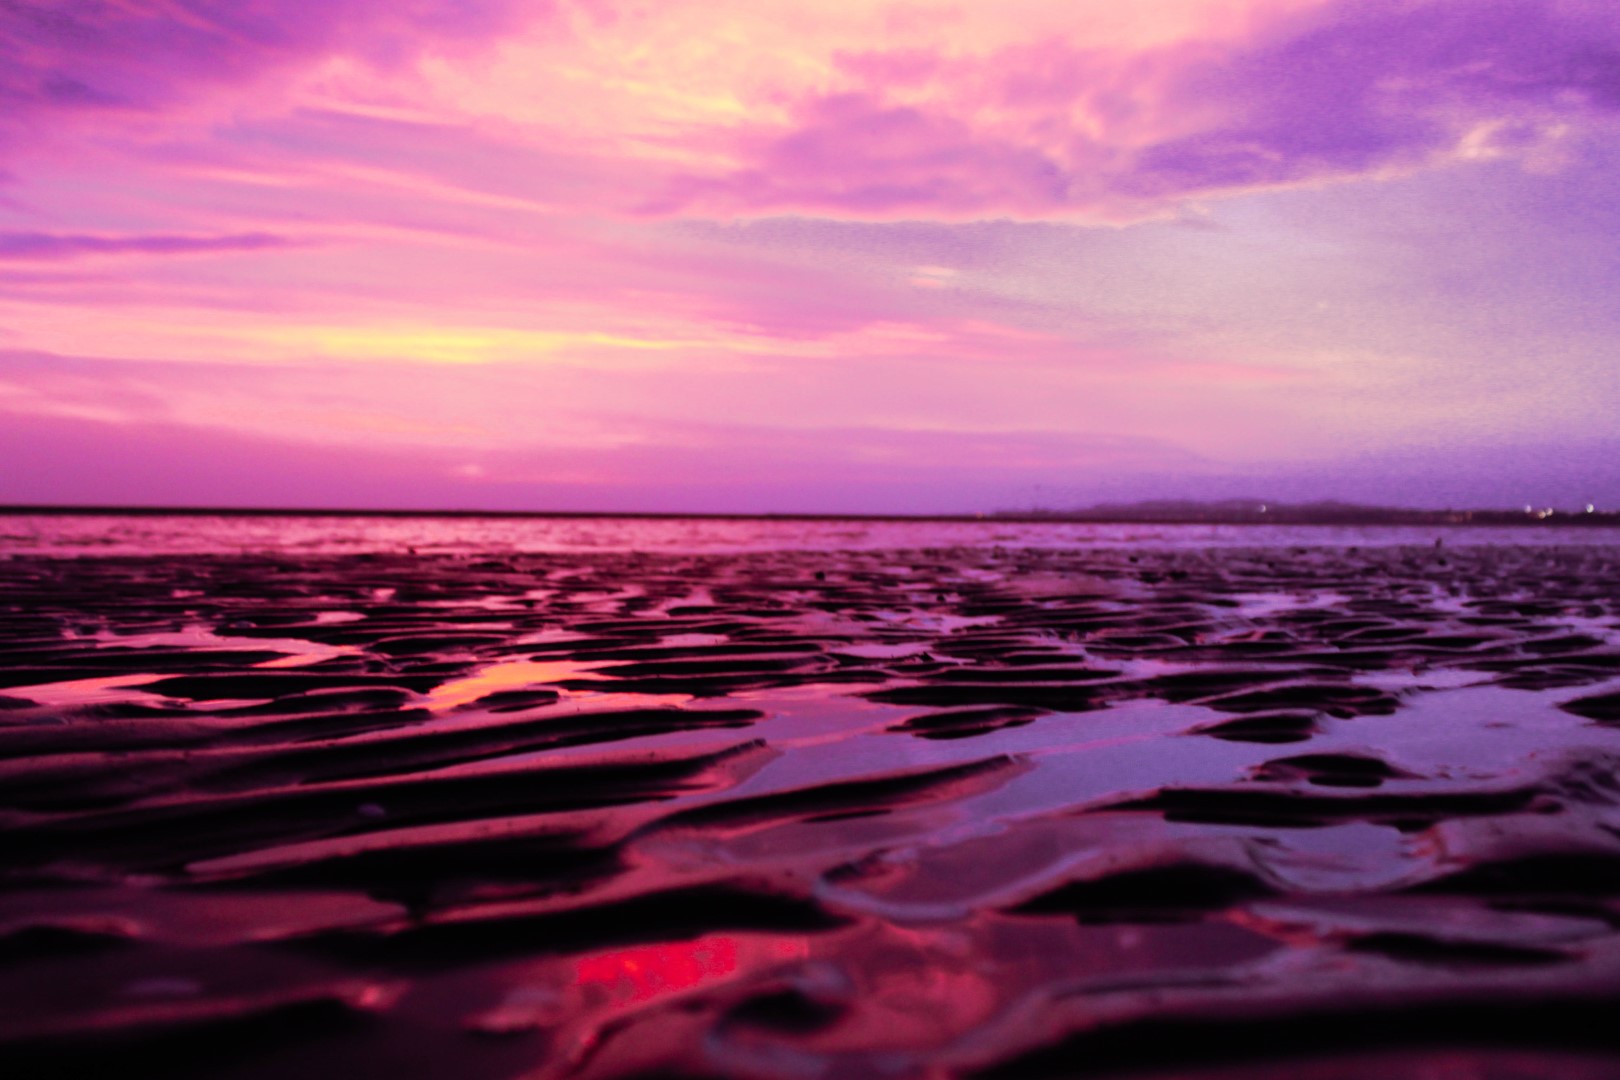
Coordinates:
(767, 256)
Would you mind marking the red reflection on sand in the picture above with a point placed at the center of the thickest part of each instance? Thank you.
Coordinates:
(643, 972)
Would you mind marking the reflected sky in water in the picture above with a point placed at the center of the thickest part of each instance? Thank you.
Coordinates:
(114, 534)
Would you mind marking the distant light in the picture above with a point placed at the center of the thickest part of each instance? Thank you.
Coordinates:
(1262, 508)
(1528, 508)
(1590, 508)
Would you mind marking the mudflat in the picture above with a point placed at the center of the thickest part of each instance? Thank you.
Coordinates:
(1243, 812)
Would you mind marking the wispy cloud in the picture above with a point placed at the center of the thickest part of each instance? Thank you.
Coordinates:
(1059, 122)
(97, 64)
(1053, 128)
(41, 245)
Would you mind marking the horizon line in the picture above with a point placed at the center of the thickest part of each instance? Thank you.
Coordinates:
(1109, 513)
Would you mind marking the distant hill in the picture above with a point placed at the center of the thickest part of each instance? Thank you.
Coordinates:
(1326, 512)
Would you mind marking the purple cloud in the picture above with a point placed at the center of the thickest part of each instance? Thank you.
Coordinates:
(1367, 85)
(854, 153)
(20, 246)
(59, 59)
(1053, 128)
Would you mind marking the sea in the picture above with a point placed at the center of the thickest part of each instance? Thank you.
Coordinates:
(115, 534)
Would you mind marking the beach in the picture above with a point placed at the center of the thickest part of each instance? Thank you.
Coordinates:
(924, 802)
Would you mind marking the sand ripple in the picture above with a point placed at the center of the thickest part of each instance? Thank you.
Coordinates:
(1269, 812)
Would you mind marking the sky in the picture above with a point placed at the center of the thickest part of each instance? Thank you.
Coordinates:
(894, 256)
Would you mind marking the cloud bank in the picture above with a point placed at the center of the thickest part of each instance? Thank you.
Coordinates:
(927, 121)
(1053, 128)
(940, 247)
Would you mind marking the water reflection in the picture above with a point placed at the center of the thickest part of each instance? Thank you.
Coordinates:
(115, 534)
(99, 691)
(513, 675)
(592, 989)
(641, 973)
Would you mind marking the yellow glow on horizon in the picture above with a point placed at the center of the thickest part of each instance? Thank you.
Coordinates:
(453, 345)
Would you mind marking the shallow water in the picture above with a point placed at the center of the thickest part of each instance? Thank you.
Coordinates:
(1332, 808)
(113, 534)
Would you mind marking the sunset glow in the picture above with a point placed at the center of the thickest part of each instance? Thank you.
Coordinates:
(907, 256)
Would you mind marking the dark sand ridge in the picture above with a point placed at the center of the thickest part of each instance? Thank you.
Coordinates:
(1212, 814)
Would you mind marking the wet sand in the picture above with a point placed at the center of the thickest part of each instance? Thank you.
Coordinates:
(1279, 812)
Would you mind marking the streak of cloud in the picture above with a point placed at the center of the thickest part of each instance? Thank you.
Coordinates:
(20, 246)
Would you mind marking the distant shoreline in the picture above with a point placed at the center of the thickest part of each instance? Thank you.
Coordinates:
(1182, 515)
